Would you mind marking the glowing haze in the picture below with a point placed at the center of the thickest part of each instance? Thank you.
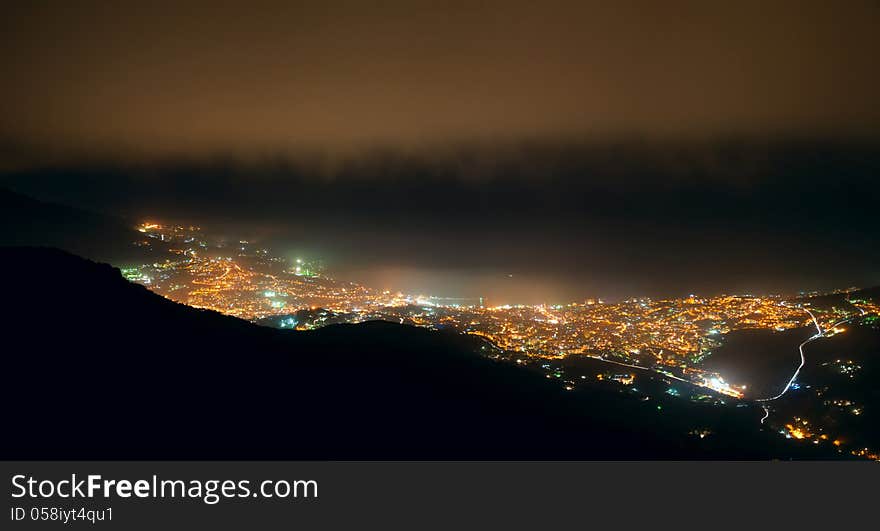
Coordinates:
(109, 79)
(519, 150)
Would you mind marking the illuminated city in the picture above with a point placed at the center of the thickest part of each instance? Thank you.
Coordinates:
(664, 340)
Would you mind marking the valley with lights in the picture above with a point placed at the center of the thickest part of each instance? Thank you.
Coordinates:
(810, 385)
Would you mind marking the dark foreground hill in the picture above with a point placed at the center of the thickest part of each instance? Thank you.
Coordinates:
(97, 367)
(27, 221)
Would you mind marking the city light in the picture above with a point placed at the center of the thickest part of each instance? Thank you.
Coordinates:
(668, 338)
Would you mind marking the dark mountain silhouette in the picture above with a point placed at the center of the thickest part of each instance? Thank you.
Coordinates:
(31, 222)
(97, 367)
(831, 300)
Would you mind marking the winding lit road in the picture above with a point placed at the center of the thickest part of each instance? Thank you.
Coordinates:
(819, 333)
(797, 371)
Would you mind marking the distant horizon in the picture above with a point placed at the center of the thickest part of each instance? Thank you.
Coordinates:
(395, 274)
(460, 271)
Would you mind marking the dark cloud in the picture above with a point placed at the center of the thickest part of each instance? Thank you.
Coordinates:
(566, 221)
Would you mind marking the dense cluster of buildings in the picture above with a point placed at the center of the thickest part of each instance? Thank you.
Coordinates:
(671, 336)
(668, 337)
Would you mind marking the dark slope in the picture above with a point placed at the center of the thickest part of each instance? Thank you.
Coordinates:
(96, 367)
(26, 221)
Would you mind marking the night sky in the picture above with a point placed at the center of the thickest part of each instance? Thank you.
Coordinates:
(522, 151)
